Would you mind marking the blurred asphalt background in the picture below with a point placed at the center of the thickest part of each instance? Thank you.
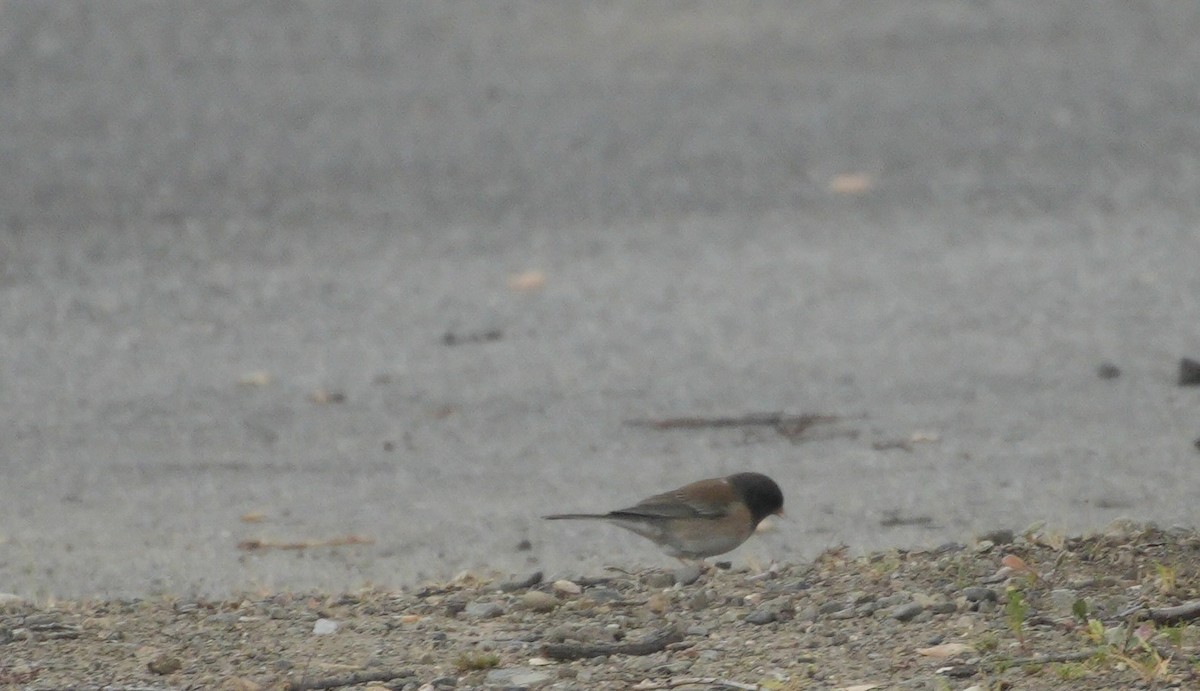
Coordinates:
(936, 218)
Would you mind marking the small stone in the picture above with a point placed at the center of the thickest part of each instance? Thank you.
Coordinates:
(658, 603)
(224, 618)
(977, 593)
(906, 612)
(696, 630)
(808, 614)
(483, 610)
(603, 595)
(1107, 370)
(444, 683)
(942, 608)
(762, 616)
(698, 601)
(522, 583)
(1189, 372)
(831, 607)
(660, 579)
(1062, 600)
(688, 574)
(164, 664)
(324, 627)
(537, 601)
(11, 601)
(517, 676)
(998, 537)
(567, 587)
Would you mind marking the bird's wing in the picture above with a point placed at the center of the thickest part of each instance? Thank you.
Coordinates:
(675, 505)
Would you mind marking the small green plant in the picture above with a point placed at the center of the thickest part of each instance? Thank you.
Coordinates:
(1166, 578)
(1080, 609)
(1015, 611)
(987, 642)
(474, 661)
(1070, 671)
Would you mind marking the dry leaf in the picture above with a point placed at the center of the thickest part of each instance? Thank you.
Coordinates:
(254, 517)
(1015, 563)
(527, 281)
(851, 183)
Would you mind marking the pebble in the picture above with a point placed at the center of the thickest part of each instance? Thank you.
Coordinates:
(660, 579)
(164, 664)
(1063, 600)
(701, 631)
(762, 616)
(537, 601)
(698, 601)
(523, 583)
(906, 612)
(977, 593)
(658, 603)
(998, 537)
(688, 574)
(9, 600)
(604, 595)
(324, 627)
(567, 587)
(517, 676)
(483, 610)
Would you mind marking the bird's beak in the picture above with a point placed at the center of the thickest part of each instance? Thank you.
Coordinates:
(781, 514)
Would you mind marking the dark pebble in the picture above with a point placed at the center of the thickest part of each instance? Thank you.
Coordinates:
(1107, 370)
(998, 537)
(979, 594)
(1189, 372)
(762, 616)
(527, 582)
(906, 612)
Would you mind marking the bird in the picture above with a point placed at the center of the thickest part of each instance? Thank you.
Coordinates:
(701, 519)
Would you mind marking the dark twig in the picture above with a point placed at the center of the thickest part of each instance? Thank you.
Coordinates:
(713, 682)
(646, 646)
(1166, 616)
(347, 680)
(790, 426)
(749, 420)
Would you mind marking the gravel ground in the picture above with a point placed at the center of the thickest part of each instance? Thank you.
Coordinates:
(1037, 610)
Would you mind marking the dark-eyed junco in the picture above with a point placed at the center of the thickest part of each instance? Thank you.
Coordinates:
(702, 519)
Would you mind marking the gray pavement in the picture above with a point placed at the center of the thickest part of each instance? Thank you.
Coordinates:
(193, 194)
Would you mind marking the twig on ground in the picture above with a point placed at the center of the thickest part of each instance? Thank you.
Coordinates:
(646, 646)
(348, 680)
(698, 681)
(790, 426)
(970, 669)
(1188, 611)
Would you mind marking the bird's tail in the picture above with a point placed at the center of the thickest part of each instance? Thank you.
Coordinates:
(574, 516)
